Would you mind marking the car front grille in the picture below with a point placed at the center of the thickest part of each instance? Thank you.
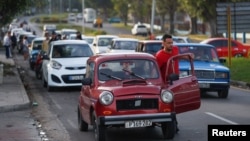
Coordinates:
(136, 104)
(75, 68)
(205, 74)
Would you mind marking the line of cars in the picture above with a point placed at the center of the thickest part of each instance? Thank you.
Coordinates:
(125, 87)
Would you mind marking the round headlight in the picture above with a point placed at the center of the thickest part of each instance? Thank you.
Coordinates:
(106, 98)
(166, 96)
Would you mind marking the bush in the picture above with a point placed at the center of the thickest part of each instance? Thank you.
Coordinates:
(100, 32)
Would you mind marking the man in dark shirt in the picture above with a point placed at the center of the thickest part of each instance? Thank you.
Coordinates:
(53, 37)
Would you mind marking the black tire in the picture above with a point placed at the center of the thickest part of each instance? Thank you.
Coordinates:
(168, 129)
(223, 93)
(99, 131)
(82, 125)
(44, 82)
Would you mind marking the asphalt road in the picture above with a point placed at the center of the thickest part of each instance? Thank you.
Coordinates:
(57, 113)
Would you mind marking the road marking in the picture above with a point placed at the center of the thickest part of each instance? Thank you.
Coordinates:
(221, 118)
(72, 124)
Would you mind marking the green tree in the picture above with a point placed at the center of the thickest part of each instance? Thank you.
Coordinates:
(204, 10)
(10, 8)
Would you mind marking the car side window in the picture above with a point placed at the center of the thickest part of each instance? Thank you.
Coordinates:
(216, 43)
(90, 71)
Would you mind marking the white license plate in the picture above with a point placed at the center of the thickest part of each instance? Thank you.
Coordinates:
(78, 77)
(138, 123)
(204, 85)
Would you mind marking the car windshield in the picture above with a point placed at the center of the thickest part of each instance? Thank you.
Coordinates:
(104, 41)
(125, 45)
(37, 45)
(89, 40)
(71, 51)
(201, 53)
(152, 48)
(127, 69)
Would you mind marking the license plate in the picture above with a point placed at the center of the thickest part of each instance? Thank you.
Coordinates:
(78, 77)
(204, 85)
(138, 123)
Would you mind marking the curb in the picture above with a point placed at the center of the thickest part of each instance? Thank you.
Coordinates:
(25, 104)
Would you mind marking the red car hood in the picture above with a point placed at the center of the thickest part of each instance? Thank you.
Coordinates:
(132, 87)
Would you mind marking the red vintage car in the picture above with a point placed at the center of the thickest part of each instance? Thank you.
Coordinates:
(221, 44)
(127, 90)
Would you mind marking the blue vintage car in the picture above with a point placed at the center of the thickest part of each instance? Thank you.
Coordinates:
(36, 46)
(212, 75)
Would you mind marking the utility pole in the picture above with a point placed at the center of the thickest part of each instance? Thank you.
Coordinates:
(152, 17)
(83, 24)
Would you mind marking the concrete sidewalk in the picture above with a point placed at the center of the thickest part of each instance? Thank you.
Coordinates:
(13, 95)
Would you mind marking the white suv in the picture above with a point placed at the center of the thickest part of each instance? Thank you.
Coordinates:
(139, 29)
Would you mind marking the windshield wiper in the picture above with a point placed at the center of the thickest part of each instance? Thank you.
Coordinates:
(111, 76)
(133, 74)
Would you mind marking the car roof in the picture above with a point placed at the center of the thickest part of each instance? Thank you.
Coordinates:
(193, 44)
(125, 39)
(117, 55)
(214, 39)
(39, 38)
(150, 41)
(58, 42)
(99, 36)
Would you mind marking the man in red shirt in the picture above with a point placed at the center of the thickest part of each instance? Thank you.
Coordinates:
(163, 55)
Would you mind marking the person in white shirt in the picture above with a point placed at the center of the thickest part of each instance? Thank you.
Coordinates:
(7, 44)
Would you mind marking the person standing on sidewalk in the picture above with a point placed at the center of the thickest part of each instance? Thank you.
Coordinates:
(7, 44)
(25, 48)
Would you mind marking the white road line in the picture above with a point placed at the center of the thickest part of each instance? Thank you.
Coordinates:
(72, 124)
(221, 118)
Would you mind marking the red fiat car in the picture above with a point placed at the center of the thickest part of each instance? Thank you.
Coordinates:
(127, 91)
(221, 44)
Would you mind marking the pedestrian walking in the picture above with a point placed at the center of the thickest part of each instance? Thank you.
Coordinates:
(7, 44)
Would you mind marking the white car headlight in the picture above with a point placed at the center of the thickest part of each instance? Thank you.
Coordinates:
(183, 73)
(55, 65)
(106, 98)
(167, 96)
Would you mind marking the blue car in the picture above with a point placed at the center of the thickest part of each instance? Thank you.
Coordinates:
(212, 75)
(36, 46)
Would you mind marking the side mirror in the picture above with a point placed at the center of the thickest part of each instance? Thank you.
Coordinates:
(86, 81)
(172, 77)
(222, 60)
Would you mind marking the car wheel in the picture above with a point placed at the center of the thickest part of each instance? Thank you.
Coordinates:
(82, 125)
(238, 55)
(99, 131)
(44, 82)
(168, 129)
(223, 93)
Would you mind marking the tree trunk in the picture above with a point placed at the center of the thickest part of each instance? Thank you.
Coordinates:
(212, 24)
(194, 25)
(171, 21)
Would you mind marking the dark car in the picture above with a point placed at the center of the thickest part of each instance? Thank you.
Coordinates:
(212, 75)
(36, 46)
(126, 90)
(149, 46)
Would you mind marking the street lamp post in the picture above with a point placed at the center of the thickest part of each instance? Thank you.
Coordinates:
(83, 29)
(152, 17)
